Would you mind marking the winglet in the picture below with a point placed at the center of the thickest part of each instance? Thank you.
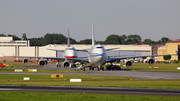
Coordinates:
(68, 38)
(93, 37)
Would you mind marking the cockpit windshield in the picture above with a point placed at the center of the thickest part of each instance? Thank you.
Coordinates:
(98, 47)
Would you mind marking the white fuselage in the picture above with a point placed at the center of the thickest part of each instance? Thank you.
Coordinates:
(70, 52)
(97, 55)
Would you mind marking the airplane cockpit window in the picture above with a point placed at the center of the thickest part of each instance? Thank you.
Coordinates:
(70, 48)
(98, 47)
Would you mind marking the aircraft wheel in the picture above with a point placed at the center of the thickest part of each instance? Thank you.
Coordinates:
(83, 68)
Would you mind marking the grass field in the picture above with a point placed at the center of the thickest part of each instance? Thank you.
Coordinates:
(31, 96)
(87, 80)
(161, 67)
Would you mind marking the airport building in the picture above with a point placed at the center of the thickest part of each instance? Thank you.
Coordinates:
(171, 47)
(123, 50)
(9, 42)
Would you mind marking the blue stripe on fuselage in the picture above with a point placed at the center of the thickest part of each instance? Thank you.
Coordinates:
(96, 54)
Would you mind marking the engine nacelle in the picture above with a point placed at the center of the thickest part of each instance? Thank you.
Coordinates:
(25, 60)
(66, 64)
(151, 61)
(42, 62)
(128, 63)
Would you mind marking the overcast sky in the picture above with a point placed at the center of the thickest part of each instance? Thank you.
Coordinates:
(151, 19)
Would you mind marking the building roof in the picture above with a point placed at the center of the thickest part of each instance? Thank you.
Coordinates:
(139, 44)
(173, 42)
(159, 45)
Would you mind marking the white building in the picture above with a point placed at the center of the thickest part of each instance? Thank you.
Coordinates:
(9, 42)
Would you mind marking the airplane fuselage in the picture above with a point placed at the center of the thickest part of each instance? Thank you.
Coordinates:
(97, 55)
(70, 52)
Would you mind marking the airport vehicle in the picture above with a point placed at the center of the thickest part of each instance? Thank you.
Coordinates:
(113, 67)
(96, 55)
(1, 65)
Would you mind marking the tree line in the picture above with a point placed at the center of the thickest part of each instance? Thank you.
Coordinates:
(56, 38)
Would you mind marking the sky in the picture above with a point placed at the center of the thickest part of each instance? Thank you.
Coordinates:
(151, 19)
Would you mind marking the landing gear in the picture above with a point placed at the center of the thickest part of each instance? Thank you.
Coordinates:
(58, 65)
(83, 68)
(100, 67)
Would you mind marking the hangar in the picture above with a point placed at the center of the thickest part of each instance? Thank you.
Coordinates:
(124, 50)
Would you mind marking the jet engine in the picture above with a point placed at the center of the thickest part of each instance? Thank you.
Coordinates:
(151, 61)
(43, 62)
(66, 64)
(25, 60)
(128, 63)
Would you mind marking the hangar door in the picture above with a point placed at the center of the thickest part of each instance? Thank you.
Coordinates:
(178, 52)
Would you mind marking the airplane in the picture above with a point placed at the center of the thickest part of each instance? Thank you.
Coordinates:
(96, 55)
(69, 52)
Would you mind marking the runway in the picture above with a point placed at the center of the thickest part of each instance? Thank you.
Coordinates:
(141, 75)
(94, 90)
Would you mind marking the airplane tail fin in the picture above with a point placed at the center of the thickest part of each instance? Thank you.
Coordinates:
(93, 37)
(68, 39)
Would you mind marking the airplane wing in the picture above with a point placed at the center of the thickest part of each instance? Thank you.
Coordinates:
(111, 49)
(83, 50)
(113, 59)
(56, 50)
(85, 59)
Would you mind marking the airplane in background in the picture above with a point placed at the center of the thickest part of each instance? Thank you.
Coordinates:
(69, 52)
(96, 55)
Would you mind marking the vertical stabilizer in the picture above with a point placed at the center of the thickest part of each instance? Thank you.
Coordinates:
(68, 39)
(93, 37)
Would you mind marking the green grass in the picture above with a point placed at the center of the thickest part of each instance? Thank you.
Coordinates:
(32, 96)
(145, 67)
(87, 80)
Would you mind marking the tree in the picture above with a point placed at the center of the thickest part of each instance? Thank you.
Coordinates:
(14, 37)
(2, 35)
(147, 41)
(164, 40)
(131, 39)
(112, 39)
(86, 41)
(24, 36)
(167, 57)
(50, 38)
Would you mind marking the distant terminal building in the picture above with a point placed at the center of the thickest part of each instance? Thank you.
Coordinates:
(171, 47)
(9, 42)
